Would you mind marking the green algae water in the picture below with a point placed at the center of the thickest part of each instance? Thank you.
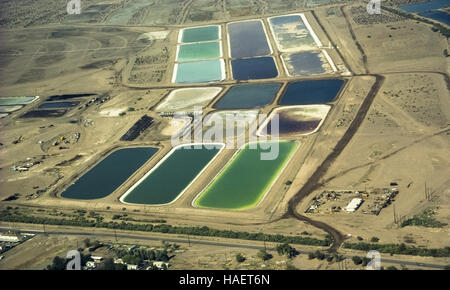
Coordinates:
(109, 174)
(198, 34)
(246, 178)
(198, 51)
(171, 176)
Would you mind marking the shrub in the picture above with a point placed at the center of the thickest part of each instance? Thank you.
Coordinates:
(264, 255)
(374, 240)
(357, 260)
(240, 258)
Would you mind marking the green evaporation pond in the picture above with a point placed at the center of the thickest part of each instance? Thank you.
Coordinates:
(244, 181)
(199, 71)
(109, 174)
(198, 51)
(197, 34)
(171, 176)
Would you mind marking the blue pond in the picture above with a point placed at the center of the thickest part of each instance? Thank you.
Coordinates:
(247, 39)
(311, 92)
(304, 63)
(440, 16)
(248, 96)
(109, 174)
(254, 68)
(56, 105)
(425, 6)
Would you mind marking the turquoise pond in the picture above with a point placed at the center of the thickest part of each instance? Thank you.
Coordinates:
(198, 51)
(109, 174)
(199, 34)
(248, 96)
(199, 71)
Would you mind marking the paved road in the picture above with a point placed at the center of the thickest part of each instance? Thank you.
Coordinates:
(198, 242)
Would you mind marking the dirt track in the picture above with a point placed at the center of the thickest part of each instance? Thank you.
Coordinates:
(315, 181)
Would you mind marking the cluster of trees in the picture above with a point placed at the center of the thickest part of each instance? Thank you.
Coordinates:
(59, 263)
(137, 255)
(10, 216)
(286, 250)
(400, 249)
(322, 256)
(358, 260)
(424, 219)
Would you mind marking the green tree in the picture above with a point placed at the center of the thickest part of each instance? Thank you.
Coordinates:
(132, 260)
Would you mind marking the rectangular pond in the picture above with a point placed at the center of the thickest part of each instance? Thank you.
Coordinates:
(248, 39)
(199, 71)
(254, 68)
(199, 51)
(306, 63)
(48, 113)
(9, 101)
(437, 15)
(218, 125)
(107, 175)
(246, 179)
(186, 99)
(248, 96)
(199, 34)
(293, 33)
(10, 109)
(168, 179)
(56, 105)
(295, 120)
(311, 92)
(425, 6)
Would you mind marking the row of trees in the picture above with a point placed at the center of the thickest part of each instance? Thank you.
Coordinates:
(400, 249)
(11, 216)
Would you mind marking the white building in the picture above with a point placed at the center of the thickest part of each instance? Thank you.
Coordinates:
(12, 239)
(353, 205)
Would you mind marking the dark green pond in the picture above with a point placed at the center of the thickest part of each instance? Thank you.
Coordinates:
(109, 174)
(171, 176)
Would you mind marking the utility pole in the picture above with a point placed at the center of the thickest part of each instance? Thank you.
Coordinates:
(189, 241)
(115, 234)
